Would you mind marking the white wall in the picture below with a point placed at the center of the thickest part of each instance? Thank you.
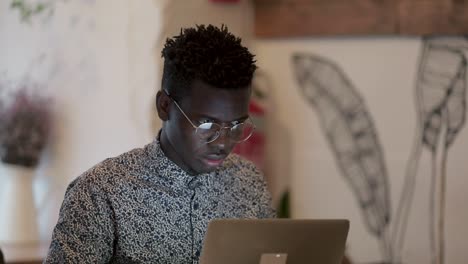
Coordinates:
(383, 70)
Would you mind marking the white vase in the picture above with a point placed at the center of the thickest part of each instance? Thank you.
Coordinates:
(18, 223)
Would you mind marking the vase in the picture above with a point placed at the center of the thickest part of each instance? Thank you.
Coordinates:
(18, 223)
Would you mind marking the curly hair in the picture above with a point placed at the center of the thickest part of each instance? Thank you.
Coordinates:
(207, 53)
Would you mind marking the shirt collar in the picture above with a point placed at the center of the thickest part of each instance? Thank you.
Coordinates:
(169, 172)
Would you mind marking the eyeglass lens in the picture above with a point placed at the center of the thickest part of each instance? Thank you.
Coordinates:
(209, 132)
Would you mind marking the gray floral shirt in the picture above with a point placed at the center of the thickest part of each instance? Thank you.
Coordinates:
(140, 207)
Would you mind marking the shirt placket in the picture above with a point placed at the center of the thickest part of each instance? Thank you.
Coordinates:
(194, 186)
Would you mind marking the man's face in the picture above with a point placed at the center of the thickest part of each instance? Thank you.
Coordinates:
(204, 104)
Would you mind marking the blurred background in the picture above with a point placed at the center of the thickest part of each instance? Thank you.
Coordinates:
(360, 107)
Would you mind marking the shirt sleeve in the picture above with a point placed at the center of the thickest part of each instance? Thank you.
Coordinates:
(84, 231)
(266, 209)
(261, 193)
(2, 260)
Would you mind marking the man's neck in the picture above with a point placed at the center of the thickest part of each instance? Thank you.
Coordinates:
(171, 153)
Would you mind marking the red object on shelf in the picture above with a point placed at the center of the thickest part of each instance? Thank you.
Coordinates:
(254, 148)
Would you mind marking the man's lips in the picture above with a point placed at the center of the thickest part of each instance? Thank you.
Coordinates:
(214, 160)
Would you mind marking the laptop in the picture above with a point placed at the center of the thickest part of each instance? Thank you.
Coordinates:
(274, 241)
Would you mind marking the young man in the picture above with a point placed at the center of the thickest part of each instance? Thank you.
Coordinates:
(153, 205)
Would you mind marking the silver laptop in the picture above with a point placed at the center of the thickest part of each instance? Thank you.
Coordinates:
(274, 241)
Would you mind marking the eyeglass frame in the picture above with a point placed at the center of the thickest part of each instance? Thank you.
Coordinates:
(221, 127)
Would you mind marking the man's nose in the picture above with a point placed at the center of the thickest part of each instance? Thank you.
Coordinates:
(224, 140)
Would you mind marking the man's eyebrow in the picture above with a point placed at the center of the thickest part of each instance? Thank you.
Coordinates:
(243, 118)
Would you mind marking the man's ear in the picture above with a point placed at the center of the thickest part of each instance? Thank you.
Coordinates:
(163, 103)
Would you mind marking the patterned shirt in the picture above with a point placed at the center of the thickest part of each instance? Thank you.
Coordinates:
(140, 207)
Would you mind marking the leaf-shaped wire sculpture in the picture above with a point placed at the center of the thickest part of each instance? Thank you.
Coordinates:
(441, 102)
(352, 136)
(442, 87)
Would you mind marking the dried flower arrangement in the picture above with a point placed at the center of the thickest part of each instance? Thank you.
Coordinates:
(25, 126)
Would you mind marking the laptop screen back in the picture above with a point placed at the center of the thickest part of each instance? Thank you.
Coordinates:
(274, 241)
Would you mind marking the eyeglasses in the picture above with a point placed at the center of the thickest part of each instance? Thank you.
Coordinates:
(210, 131)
